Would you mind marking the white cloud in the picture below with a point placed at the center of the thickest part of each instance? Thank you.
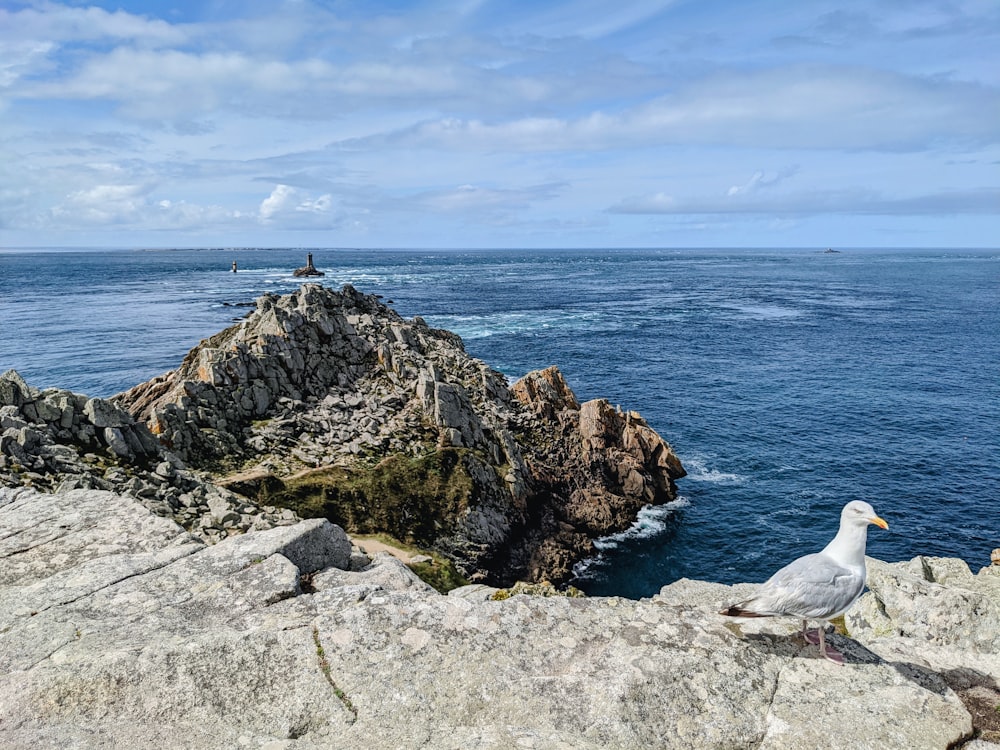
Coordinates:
(856, 201)
(132, 206)
(54, 22)
(280, 199)
(20, 56)
(293, 208)
(103, 204)
(761, 180)
(589, 19)
(783, 108)
(173, 83)
(453, 121)
(470, 199)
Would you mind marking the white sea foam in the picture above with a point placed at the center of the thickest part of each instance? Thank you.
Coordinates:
(765, 312)
(698, 471)
(649, 521)
(483, 326)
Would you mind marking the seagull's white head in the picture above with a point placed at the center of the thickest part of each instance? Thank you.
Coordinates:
(860, 513)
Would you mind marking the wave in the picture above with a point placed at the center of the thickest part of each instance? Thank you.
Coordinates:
(649, 521)
(471, 327)
(764, 312)
(698, 471)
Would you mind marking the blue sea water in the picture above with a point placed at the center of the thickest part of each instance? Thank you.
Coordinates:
(788, 382)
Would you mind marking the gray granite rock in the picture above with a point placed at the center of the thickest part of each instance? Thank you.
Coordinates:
(936, 601)
(119, 629)
(54, 439)
(321, 379)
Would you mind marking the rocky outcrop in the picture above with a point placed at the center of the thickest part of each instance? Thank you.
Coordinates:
(935, 613)
(308, 269)
(55, 439)
(117, 627)
(332, 404)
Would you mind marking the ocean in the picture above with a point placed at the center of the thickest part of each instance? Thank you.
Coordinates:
(787, 381)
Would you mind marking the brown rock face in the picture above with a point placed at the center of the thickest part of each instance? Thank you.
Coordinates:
(599, 469)
(337, 406)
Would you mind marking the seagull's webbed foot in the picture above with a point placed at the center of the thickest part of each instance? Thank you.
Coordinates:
(829, 652)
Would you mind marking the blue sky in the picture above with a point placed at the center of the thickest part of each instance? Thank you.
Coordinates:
(691, 123)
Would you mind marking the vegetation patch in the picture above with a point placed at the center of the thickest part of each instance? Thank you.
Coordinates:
(438, 571)
(544, 588)
(414, 499)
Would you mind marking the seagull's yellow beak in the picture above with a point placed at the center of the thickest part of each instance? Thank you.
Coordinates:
(880, 522)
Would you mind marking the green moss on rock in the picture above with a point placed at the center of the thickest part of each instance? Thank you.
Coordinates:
(537, 589)
(439, 572)
(414, 499)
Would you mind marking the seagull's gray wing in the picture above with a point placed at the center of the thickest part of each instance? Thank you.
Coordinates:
(813, 586)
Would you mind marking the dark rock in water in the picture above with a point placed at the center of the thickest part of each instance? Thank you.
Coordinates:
(331, 404)
(308, 269)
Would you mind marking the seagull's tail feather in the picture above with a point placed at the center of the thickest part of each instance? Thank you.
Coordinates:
(738, 611)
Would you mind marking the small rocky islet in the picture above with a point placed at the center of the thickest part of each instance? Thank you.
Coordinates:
(159, 581)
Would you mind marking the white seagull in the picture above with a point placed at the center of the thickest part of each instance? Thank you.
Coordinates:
(820, 586)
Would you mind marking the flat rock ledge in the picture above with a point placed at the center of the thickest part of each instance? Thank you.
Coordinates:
(119, 629)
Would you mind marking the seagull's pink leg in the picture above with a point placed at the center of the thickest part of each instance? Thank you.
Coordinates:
(829, 652)
(810, 635)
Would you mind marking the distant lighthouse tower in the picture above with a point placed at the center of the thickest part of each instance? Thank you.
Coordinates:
(308, 269)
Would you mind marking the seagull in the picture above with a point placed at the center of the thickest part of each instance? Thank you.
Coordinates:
(820, 586)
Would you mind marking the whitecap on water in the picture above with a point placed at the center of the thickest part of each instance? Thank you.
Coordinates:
(649, 521)
(698, 471)
(471, 327)
(765, 312)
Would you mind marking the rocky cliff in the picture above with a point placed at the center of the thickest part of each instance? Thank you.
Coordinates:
(54, 439)
(119, 629)
(331, 404)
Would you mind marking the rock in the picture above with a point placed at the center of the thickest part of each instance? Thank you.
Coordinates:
(384, 571)
(545, 392)
(13, 390)
(332, 404)
(103, 413)
(69, 441)
(143, 636)
(308, 269)
(933, 600)
(116, 442)
(475, 592)
(116, 624)
(933, 612)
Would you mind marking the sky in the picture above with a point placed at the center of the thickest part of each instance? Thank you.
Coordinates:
(500, 123)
